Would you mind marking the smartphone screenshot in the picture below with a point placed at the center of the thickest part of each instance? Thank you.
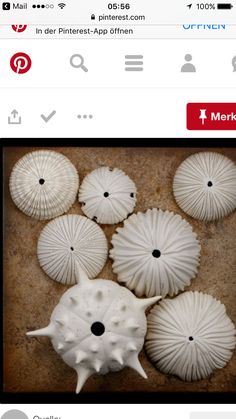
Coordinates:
(117, 130)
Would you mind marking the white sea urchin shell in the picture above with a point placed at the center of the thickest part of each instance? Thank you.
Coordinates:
(68, 240)
(107, 195)
(205, 186)
(190, 336)
(155, 253)
(44, 184)
(97, 327)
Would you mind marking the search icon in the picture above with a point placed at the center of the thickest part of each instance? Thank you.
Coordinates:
(77, 61)
(234, 63)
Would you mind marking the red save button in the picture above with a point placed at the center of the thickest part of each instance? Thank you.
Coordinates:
(211, 116)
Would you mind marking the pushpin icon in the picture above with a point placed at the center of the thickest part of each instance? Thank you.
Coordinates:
(234, 63)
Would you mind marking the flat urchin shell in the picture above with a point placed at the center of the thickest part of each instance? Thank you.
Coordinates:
(190, 336)
(98, 326)
(44, 184)
(205, 186)
(155, 253)
(107, 195)
(68, 240)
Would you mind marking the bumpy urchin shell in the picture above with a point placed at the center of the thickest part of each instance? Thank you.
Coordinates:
(68, 240)
(190, 336)
(107, 195)
(97, 327)
(155, 253)
(44, 184)
(205, 186)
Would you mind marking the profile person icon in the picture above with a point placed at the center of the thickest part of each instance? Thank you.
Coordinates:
(188, 67)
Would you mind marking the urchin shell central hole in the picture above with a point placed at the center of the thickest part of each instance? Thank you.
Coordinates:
(98, 328)
(190, 338)
(41, 181)
(210, 184)
(156, 253)
(106, 194)
(72, 249)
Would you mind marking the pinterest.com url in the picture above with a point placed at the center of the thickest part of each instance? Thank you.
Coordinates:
(102, 18)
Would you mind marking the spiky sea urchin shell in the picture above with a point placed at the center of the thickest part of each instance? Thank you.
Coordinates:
(44, 184)
(205, 186)
(155, 253)
(107, 195)
(190, 336)
(68, 240)
(97, 327)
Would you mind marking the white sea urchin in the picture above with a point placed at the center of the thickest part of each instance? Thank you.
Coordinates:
(107, 195)
(205, 186)
(68, 240)
(155, 253)
(190, 336)
(98, 326)
(44, 184)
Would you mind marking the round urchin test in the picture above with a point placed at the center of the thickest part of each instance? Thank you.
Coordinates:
(68, 240)
(190, 336)
(204, 186)
(155, 253)
(44, 184)
(107, 195)
(98, 326)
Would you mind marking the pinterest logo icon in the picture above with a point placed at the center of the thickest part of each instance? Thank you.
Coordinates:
(20, 63)
(19, 28)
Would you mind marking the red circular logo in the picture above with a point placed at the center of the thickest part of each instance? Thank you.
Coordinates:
(19, 28)
(20, 63)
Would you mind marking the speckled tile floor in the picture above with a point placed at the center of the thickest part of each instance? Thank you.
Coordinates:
(31, 365)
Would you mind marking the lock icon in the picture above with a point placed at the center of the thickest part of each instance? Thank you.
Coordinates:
(92, 17)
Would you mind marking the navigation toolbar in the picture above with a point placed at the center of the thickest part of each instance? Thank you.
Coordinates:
(119, 64)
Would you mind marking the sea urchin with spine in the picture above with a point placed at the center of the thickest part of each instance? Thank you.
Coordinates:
(98, 326)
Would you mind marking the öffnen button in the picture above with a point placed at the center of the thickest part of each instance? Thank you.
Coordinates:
(211, 116)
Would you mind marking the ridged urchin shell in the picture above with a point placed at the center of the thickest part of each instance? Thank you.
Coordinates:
(155, 253)
(44, 184)
(190, 336)
(107, 195)
(98, 326)
(205, 186)
(68, 240)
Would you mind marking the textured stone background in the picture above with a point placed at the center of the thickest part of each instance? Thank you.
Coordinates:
(31, 365)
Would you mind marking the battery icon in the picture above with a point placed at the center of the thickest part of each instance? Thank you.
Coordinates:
(224, 6)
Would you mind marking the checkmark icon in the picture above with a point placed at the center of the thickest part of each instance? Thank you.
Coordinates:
(47, 118)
